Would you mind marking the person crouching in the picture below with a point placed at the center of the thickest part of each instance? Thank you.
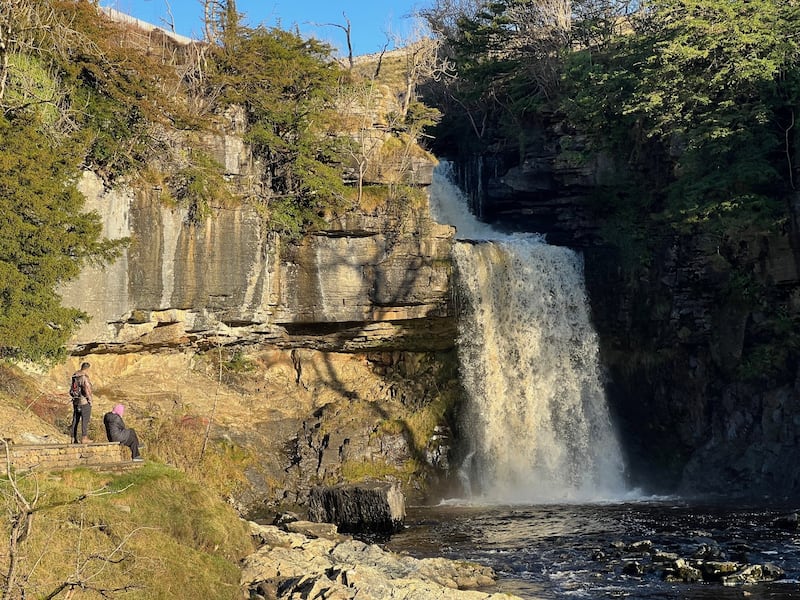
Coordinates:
(117, 432)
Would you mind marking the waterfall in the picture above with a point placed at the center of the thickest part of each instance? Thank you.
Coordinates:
(536, 418)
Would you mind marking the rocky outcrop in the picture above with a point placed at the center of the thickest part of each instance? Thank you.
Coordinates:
(544, 190)
(370, 281)
(371, 507)
(291, 565)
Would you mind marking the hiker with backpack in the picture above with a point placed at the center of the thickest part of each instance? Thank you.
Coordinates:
(117, 432)
(80, 390)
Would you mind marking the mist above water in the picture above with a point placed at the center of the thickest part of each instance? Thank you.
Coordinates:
(536, 421)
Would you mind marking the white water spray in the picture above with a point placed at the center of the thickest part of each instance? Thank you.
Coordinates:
(536, 418)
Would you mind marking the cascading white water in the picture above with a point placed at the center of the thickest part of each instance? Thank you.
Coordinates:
(537, 418)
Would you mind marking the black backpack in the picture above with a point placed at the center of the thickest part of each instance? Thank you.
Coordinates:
(76, 387)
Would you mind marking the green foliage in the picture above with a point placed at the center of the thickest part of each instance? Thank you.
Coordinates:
(33, 87)
(115, 91)
(485, 69)
(508, 56)
(701, 83)
(239, 363)
(46, 239)
(287, 86)
(692, 99)
(200, 185)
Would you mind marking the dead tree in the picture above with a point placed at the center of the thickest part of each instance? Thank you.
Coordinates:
(347, 32)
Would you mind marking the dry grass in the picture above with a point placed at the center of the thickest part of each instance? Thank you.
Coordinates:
(218, 466)
(151, 532)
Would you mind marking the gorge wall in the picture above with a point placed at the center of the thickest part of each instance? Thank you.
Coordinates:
(327, 359)
(697, 413)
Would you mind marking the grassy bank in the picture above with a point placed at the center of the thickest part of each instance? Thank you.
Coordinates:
(150, 533)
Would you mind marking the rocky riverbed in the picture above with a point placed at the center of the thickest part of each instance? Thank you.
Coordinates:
(647, 550)
(303, 561)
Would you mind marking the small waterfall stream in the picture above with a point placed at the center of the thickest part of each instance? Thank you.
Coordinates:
(536, 419)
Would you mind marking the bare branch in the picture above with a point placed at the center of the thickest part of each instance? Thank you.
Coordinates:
(347, 30)
(170, 21)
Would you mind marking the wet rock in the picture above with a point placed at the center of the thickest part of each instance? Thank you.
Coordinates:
(710, 551)
(283, 518)
(634, 568)
(363, 508)
(789, 522)
(617, 545)
(598, 554)
(659, 556)
(714, 570)
(754, 574)
(642, 546)
(682, 571)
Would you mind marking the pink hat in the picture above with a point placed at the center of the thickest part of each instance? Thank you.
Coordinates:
(118, 409)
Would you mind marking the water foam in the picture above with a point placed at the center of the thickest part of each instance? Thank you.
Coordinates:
(536, 419)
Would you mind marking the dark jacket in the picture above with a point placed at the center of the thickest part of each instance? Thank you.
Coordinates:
(115, 427)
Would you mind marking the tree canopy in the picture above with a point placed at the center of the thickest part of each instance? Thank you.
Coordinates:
(46, 238)
(693, 98)
(81, 91)
(287, 86)
(690, 103)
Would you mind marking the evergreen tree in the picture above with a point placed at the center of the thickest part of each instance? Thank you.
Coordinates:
(287, 86)
(45, 238)
(705, 86)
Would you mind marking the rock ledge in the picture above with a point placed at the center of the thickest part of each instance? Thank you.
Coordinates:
(292, 566)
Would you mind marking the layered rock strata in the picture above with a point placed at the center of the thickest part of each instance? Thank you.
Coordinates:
(370, 281)
(363, 508)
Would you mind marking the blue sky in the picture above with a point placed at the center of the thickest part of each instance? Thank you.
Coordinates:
(370, 20)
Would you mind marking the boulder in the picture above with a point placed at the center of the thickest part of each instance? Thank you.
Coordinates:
(359, 508)
(754, 574)
(682, 571)
(715, 570)
(327, 531)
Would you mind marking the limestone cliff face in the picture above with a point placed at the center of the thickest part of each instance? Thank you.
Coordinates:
(371, 281)
(327, 345)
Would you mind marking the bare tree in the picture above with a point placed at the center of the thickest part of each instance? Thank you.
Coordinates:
(214, 15)
(444, 16)
(170, 20)
(423, 60)
(347, 28)
(357, 105)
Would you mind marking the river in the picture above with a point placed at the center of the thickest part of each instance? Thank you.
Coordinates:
(560, 551)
